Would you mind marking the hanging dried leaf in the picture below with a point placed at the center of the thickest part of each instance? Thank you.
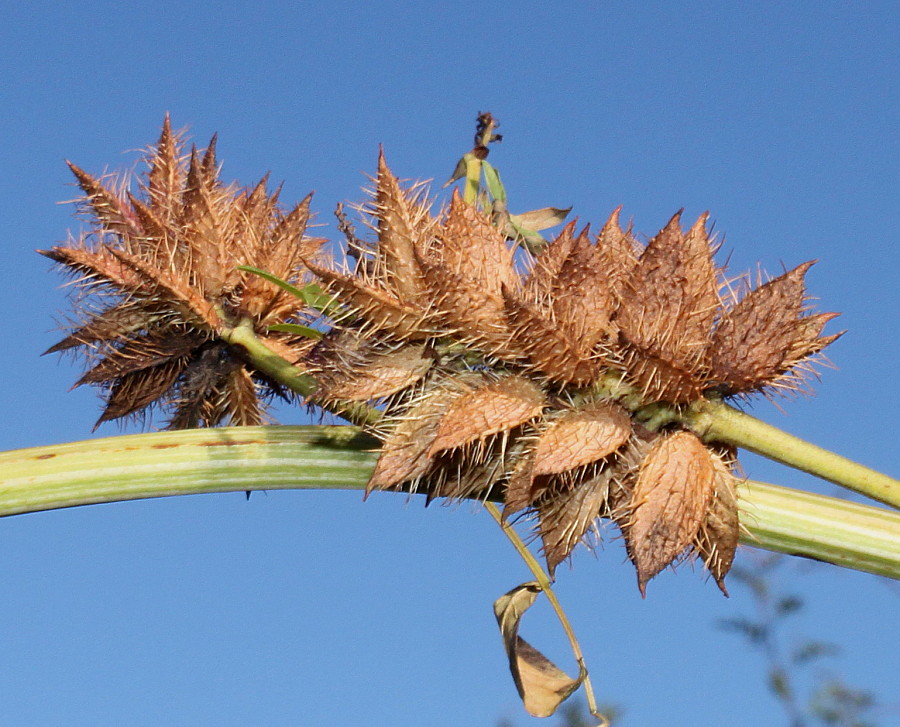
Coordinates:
(671, 500)
(541, 684)
(490, 409)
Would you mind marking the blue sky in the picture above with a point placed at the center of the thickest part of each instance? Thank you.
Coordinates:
(305, 608)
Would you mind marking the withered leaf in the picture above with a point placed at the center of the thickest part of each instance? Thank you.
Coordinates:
(472, 248)
(583, 300)
(379, 307)
(490, 409)
(541, 219)
(541, 684)
(618, 250)
(671, 499)
(581, 436)
(159, 264)
(137, 354)
(547, 345)
(545, 271)
(404, 225)
(353, 367)
(469, 307)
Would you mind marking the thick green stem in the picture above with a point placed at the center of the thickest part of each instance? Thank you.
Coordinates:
(717, 421)
(310, 457)
(801, 523)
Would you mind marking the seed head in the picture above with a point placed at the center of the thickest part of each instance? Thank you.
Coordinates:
(156, 281)
(512, 400)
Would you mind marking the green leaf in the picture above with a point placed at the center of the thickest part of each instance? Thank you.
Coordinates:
(297, 329)
(311, 294)
(458, 173)
(492, 181)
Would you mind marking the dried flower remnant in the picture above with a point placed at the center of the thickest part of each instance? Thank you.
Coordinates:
(157, 283)
(527, 360)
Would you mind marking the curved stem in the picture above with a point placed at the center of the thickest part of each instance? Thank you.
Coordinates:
(235, 459)
(285, 373)
(543, 580)
(267, 361)
(719, 422)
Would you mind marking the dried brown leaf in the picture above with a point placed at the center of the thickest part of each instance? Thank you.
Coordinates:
(404, 226)
(473, 249)
(547, 345)
(110, 209)
(166, 177)
(583, 301)
(241, 400)
(138, 353)
(541, 219)
(667, 307)
(382, 310)
(541, 684)
(132, 392)
(472, 311)
(98, 266)
(566, 514)
(545, 271)
(109, 325)
(352, 368)
(405, 453)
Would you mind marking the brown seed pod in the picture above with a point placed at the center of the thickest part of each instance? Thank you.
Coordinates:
(670, 502)
(158, 280)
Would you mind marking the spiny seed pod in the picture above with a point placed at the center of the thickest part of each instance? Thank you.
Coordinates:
(514, 398)
(157, 281)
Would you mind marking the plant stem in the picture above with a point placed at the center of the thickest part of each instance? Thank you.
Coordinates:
(285, 373)
(719, 422)
(801, 523)
(267, 361)
(543, 581)
(235, 459)
(711, 420)
(473, 178)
